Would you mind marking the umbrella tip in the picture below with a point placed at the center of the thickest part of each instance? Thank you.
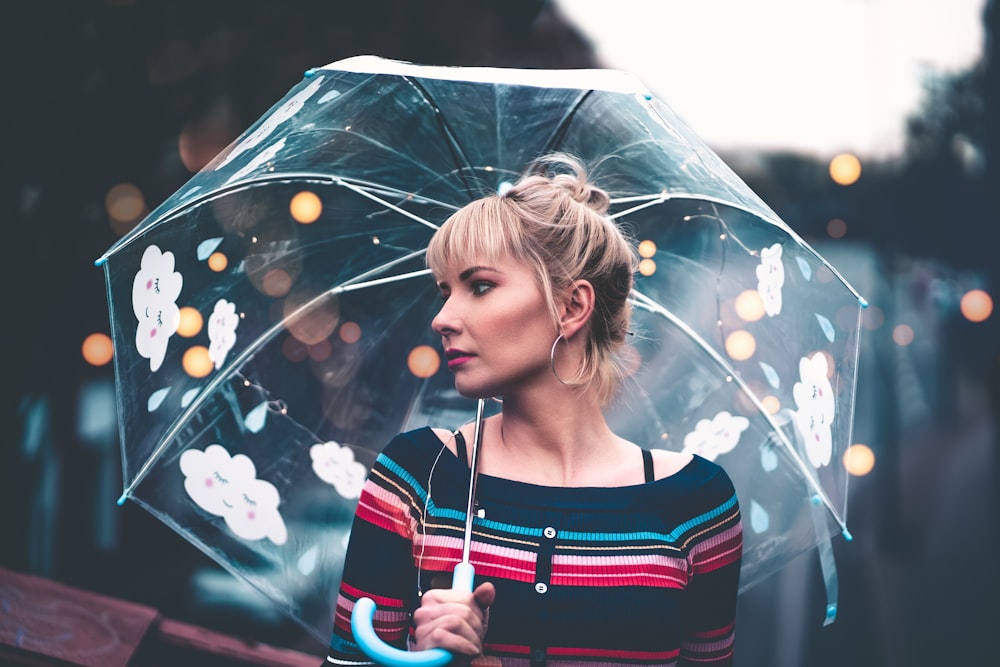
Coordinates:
(848, 536)
(831, 612)
(121, 500)
(100, 262)
(863, 301)
(309, 72)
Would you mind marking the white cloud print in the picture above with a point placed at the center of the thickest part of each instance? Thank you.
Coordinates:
(271, 123)
(227, 486)
(816, 406)
(336, 466)
(714, 437)
(771, 278)
(154, 301)
(222, 331)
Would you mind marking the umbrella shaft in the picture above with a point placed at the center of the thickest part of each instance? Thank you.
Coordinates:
(470, 507)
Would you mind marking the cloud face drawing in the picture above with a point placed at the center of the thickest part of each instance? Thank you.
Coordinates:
(816, 405)
(227, 486)
(222, 331)
(714, 437)
(154, 301)
(771, 278)
(336, 466)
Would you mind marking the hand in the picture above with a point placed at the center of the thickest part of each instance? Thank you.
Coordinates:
(454, 620)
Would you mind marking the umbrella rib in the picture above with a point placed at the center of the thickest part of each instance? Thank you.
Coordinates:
(392, 207)
(351, 285)
(456, 149)
(557, 135)
(642, 301)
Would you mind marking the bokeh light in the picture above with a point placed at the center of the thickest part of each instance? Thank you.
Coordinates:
(836, 228)
(647, 249)
(976, 305)
(320, 351)
(859, 459)
(312, 323)
(350, 332)
(276, 283)
(771, 404)
(741, 345)
(124, 203)
(196, 362)
(218, 262)
(749, 305)
(845, 169)
(647, 267)
(97, 349)
(423, 361)
(306, 207)
(902, 334)
(190, 322)
(203, 139)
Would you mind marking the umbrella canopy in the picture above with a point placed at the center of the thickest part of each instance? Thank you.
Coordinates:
(271, 319)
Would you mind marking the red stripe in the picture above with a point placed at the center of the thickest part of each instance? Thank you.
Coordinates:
(380, 600)
(615, 653)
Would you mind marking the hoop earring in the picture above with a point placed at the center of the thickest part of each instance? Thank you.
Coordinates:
(552, 359)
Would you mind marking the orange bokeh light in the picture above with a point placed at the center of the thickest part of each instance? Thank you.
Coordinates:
(976, 305)
(124, 203)
(647, 267)
(859, 460)
(771, 404)
(218, 262)
(190, 323)
(647, 249)
(306, 207)
(196, 362)
(845, 169)
(276, 283)
(423, 361)
(97, 349)
(749, 305)
(836, 228)
(741, 345)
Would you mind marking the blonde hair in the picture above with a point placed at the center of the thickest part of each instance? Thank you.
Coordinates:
(555, 221)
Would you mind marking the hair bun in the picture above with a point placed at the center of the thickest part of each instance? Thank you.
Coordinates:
(575, 182)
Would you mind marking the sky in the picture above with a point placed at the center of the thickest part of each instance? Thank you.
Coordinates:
(811, 76)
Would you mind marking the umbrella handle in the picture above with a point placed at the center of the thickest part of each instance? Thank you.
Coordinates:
(384, 654)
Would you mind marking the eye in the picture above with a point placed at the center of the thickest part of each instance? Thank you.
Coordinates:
(481, 287)
(219, 478)
(249, 501)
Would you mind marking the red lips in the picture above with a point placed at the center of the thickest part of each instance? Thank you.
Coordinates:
(457, 357)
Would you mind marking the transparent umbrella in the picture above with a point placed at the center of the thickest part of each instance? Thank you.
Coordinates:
(271, 320)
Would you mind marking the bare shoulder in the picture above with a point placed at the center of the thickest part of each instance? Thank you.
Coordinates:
(667, 463)
(447, 437)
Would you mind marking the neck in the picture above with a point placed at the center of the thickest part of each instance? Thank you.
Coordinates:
(557, 437)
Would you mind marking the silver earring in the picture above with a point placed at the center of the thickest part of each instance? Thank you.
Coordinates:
(552, 359)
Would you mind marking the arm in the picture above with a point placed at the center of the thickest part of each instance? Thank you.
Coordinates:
(378, 565)
(714, 561)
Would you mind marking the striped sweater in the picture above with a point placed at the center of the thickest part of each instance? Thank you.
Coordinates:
(636, 575)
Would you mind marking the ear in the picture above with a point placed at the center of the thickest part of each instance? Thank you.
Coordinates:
(577, 308)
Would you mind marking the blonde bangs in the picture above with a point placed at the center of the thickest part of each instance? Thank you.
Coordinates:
(484, 231)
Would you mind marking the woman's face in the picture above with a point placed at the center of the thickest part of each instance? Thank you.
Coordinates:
(495, 326)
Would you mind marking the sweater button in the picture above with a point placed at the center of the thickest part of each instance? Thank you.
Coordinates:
(549, 532)
(541, 588)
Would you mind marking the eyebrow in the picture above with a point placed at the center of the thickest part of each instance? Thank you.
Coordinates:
(464, 275)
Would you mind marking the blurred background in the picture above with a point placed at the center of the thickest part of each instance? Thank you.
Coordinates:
(869, 126)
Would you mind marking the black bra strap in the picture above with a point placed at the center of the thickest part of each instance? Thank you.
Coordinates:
(460, 448)
(647, 465)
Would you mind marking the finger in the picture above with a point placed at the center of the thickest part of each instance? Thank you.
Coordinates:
(450, 633)
(484, 595)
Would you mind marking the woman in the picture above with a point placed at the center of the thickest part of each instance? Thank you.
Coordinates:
(586, 547)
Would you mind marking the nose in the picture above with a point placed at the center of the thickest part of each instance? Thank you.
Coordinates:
(446, 322)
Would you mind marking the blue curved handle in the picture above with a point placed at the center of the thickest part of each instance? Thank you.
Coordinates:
(382, 653)
(385, 654)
